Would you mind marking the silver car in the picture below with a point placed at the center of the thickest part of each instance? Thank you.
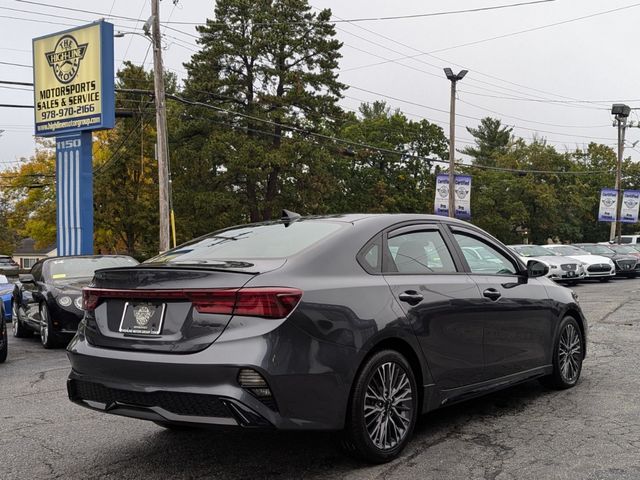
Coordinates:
(561, 269)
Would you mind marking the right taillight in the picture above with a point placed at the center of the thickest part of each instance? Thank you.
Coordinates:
(266, 302)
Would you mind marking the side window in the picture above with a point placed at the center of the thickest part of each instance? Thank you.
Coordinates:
(420, 253)
(482, 257)
(372, 257)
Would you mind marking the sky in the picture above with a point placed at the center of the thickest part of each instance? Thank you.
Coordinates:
(550, 70)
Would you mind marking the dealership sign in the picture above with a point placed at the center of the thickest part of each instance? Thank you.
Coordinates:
(462, 191)
(73, 80)
(74, 95)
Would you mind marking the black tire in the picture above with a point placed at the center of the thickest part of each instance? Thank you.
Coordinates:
(17, 327)
(568, 353)
(48, 337)
(358, 439)
(4, 340)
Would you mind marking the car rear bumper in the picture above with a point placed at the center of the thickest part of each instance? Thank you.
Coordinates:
(203, 388)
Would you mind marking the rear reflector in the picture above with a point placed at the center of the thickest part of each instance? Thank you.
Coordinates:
(265, 302)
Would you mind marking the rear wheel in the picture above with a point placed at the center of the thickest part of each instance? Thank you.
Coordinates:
(48, 337)
(383, 408)
(17, 327)
(567, 356)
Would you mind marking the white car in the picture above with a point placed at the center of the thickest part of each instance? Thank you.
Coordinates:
(561, 268)
(596, 266)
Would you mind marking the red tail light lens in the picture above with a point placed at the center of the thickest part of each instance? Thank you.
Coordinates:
(265, 302)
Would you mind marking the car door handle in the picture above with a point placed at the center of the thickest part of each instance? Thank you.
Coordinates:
(411, 297)
(492, 294)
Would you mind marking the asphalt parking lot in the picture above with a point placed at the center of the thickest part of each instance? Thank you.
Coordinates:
(526, 432)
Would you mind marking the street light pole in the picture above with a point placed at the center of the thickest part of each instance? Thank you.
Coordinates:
(161, 128)
(452, 137)
(621, 112)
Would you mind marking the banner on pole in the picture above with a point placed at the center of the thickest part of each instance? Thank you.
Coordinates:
(462, 196)
(630, 203)
(608, 204)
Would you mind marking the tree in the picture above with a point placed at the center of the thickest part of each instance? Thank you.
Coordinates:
(126, 173)
(399, 177)
(492, 139)
(29, 199)
(270, 65)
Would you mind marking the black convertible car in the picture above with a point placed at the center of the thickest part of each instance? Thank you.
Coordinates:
(49, 299)
(355, 323)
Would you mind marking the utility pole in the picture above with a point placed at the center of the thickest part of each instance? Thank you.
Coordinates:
(621, 113)
(452, 137)
(161, 127)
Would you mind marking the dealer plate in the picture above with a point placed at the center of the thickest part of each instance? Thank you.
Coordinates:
(142, 318)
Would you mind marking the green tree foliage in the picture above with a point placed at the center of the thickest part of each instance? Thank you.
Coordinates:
(259, 60)
(492, 140)
(560, 206)
(29, 199)
(398, 178)
(126, 173)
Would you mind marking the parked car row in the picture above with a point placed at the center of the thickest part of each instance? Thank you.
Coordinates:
(584, 261)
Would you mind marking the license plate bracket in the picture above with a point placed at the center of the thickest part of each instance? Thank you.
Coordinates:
(142, 318)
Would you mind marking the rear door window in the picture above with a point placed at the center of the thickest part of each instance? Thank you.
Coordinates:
(420, 252)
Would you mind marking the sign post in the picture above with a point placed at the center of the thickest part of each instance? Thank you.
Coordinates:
(73, 95)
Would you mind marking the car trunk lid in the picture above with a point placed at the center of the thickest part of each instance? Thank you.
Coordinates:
(173, 309)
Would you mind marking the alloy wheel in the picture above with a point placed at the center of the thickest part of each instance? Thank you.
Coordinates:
(570, 353)
(388, 406)
(44, 325)
(14, 318)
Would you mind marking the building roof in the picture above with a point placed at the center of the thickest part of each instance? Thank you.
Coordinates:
(27, 246)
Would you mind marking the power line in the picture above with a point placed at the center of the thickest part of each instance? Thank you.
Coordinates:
(506, 35)
(15, 64)
(9, 105)
(364, 19)
(439, 67)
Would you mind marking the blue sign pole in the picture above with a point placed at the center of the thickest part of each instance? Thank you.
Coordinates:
(74, 194)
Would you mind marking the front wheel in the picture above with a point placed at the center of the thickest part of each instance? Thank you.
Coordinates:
(48, 337)
(383, 408)
(567, 355)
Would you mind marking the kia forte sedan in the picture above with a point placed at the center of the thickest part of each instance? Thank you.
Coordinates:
(354, 323)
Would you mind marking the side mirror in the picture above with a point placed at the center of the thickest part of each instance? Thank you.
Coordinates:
(26, 278)
(536, 269)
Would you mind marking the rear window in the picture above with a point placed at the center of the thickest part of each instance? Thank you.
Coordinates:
(250, 242)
